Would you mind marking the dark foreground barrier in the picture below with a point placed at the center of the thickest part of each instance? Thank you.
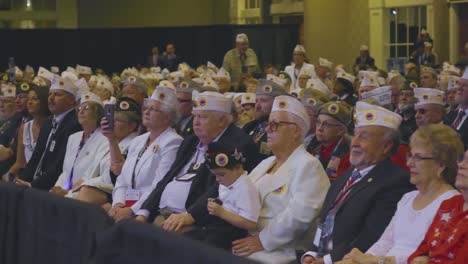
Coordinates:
(37, 227)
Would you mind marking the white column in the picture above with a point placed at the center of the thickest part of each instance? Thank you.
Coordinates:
(453, 33)
(379, 34)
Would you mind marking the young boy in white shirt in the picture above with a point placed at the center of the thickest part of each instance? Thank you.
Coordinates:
(236, 210)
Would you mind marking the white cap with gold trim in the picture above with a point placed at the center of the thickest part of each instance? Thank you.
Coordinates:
(91, 97)
(289, 104)
(212, 101)
(373, 115)
(429, 96)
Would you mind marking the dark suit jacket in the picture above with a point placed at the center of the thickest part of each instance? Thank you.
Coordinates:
(187, 131)
(251, 129)
(9, 139)
(150, 62)
(463, 132)
(368, 208)
(204, 180)
(52, 163)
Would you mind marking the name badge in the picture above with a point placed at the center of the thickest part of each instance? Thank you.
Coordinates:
(131, 197)
(52, 146)
(318, 234)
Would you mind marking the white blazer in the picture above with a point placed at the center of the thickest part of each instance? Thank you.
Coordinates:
(153, 165)
(291, 201)
(86, 165)
(306, 68)
(103, 182)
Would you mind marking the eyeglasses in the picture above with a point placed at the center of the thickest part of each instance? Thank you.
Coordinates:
(184, 100)
(417, 158)
(325, 124)
(273, 125)
(86, 108)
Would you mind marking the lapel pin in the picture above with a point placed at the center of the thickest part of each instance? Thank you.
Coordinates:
(155, 148)
(369, 180)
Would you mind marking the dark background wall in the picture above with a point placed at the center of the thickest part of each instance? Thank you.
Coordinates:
(115, 49)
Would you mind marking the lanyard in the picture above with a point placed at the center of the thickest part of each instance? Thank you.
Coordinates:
(69, 184)
(193, 167)
(140, 154)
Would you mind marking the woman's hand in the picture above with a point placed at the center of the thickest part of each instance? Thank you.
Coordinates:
(176, 221)
(247, 246)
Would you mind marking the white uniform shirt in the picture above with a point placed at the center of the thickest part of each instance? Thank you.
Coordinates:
(151, 168)
(28, 140)
(241, 198)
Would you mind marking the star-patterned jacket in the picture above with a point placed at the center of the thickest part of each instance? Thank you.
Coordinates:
(446, 240)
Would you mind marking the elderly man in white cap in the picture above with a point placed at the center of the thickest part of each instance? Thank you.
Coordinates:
(364, 61)
(150, 155)
(183, 187)
(135, 88)
(428, 77)
(458, 120)
(184, 124)
(299, 67)
(360, 203)
(45, 165)
(241, 61)
(292, 186)
(430, 108)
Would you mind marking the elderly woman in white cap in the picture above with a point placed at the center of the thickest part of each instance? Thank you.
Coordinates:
(292, 186)
(85, 149)
(150, 155)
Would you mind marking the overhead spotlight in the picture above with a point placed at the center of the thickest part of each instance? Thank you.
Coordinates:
(394, 12)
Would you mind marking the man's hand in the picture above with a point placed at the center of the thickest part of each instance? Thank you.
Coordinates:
(356, 256)
(176, 221)
(5, 153)
(141, 219)
(247, 246)
(113, 210)
(123, 213)
(22, 183)
(58, 191)
(214, 209)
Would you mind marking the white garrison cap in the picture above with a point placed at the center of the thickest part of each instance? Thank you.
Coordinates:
(346, 76)
(449, 68)
(222, 73)
(91, 97)
(104, 83)
(289, 104)
(248, 98)
(212, 101)
(369, 78)
(69, 75)
(325, 63)
(300, 48)
(242, 37)
(55, 69)
(44, 73)
(318, 85)
(373, 115)
(210, 83)
(453, 82)
(64, 85)
(429, 96)
(8, 90)
(465, 74)
(165, 95)
(364, 48)
(83, 69)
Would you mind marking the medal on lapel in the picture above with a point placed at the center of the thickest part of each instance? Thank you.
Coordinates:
(155, 148)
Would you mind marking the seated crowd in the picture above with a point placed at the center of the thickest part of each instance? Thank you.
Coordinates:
(307, 165)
